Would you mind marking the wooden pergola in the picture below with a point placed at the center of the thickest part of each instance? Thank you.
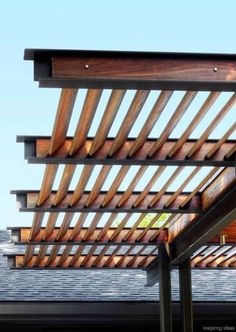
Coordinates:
(134, 225)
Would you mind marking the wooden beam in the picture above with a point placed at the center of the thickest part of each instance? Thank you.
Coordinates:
(28, 202)
(133, 70)
(204, 228)
(36, 152)
(164, 288)
(21, 236)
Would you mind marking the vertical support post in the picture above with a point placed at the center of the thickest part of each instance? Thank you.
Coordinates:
(185, 285)
(165, 289)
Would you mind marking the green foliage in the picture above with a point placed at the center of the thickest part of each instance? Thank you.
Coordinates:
(146, 220)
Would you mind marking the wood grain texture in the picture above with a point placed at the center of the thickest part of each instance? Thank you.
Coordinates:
(221, 141)
(62, 120)
(212, 97)
(116, 184)
(156, 200)
(139, 158)
(80, 188)
(64, 226)
(166, 186)
(209, 176)
(226, 108)
(182, 186)
(103, 232)
(89, 108)
(64, 183)
(130, 117)
(141, 68)
(78, 226)
(48, 180)
(98, 184)
(179, 112)
(155, 113)
(36, 225)
(109, 115)
(51, 222)
(132, 185)
(149, 185)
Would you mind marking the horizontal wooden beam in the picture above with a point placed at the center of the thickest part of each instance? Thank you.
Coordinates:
(16, 262)
(27, 201)
(133, 70)
(21, 236)
(204, 228)
(36, 151)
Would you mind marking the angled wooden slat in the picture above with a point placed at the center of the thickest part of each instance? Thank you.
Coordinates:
(226, 108)
(84, 178)
(78, 225)
(29, 253)
(212, 97)
(132, 185)
(225, 262)
(108, 224)
(48, 180)
(64, 112)
(65, 183)
(143, 262)
(65, 254)
(183, 185)
(231, 152)
(89, 108)
(149, 185)
(166, 185)
(64, 226)
(88, 256)
(109, 115)
(146, 229)
(50, 225)
(132, 261)
(36, 225)
(200, 185)
(170, 220)
(111, 257)
(116, 183)
(98, 184)
(179, 112)
(92, 227)
(76, 256)
(53, 254)
(134, 227)
(203, 260)
(221, 141)
(212, 260)
(41, 254)
(154, 115)
(120, 227)
(101, 255)
(132, 114)
(123, 257)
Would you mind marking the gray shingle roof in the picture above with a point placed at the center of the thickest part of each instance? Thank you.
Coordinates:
(109, 285)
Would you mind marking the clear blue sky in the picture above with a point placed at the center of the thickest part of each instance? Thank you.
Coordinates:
(192, 26)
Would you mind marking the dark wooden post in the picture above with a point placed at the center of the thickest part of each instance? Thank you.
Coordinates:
(165, 289)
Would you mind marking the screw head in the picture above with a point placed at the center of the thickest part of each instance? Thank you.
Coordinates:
(86, 66)
(215, 69)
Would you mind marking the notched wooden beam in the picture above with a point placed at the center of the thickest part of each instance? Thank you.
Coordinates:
(36, 151)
